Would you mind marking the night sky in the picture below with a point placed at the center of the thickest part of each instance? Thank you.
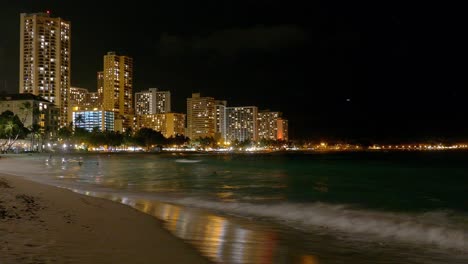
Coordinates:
(337, 70)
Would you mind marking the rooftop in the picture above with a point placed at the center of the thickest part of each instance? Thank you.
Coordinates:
(21, 96)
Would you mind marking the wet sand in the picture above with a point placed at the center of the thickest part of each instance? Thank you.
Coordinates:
(46, 224)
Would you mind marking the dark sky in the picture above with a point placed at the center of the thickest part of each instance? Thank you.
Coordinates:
(348, 70)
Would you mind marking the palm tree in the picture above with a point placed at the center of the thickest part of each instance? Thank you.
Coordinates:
(7, 130)
(79, 119)
(35, 129)
(11, 128)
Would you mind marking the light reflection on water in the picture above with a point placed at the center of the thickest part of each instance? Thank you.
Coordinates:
(220, 239)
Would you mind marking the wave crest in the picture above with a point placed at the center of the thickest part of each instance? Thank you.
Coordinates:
(430, 228)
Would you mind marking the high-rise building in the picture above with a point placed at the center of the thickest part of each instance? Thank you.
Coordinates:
(45, 59)
(268, 124)
(175, 124)
(220, 119)
(169, 124)
(92, 100)
(241, 123)
(200, 116)
(282, 132)
(118, 87)
(81, 99)
(78, 96)
(152, 102)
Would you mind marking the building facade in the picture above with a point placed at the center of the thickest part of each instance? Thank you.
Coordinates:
(175, 124)
(82, 98)
(220, 119)
(118, 88)
(90, 119)
(282, 132)
(169, 124)
(45, 59)
(241, 123)
(201, 116)
(268, 124)
(152, 101)
(93, 100)
(78, 96)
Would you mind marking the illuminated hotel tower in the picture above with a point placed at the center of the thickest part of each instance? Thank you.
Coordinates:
(272, 126)
(118, 86)
(152, 102)
(45, 59)
(220, 119)
(241, 123)
(200, 116)
(282, 132)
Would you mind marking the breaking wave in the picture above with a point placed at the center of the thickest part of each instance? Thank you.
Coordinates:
(437, 228)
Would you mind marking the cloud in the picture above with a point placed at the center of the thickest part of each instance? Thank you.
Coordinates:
(172, 45)
(233, 41)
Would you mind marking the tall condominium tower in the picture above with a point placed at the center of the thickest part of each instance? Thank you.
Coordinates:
(152, 102)
(220, 119)
(118, 86)
(200, 116)
(241, 123)
(268, 125)
(45, 59)
(282, 132)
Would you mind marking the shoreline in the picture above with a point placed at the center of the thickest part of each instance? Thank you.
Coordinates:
(46, 224)
(239, 232)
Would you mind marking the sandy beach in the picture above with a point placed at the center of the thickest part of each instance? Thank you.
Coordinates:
(46, 224)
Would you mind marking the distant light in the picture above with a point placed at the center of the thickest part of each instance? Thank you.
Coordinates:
(48, 11)
(348, 100)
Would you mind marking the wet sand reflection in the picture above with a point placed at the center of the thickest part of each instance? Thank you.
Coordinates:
(223, 240)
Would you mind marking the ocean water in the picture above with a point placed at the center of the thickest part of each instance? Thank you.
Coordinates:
(361, 207)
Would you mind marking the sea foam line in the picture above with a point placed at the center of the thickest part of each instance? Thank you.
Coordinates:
(422, 228)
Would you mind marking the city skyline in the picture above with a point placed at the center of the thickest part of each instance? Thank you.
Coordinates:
(45, 55)
(334, 71)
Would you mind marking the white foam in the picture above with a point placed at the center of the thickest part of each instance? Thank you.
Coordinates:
(418, 228)
(187, 161)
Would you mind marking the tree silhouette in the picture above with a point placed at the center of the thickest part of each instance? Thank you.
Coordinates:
(147, 137)
(11, 129)
(79, 119)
